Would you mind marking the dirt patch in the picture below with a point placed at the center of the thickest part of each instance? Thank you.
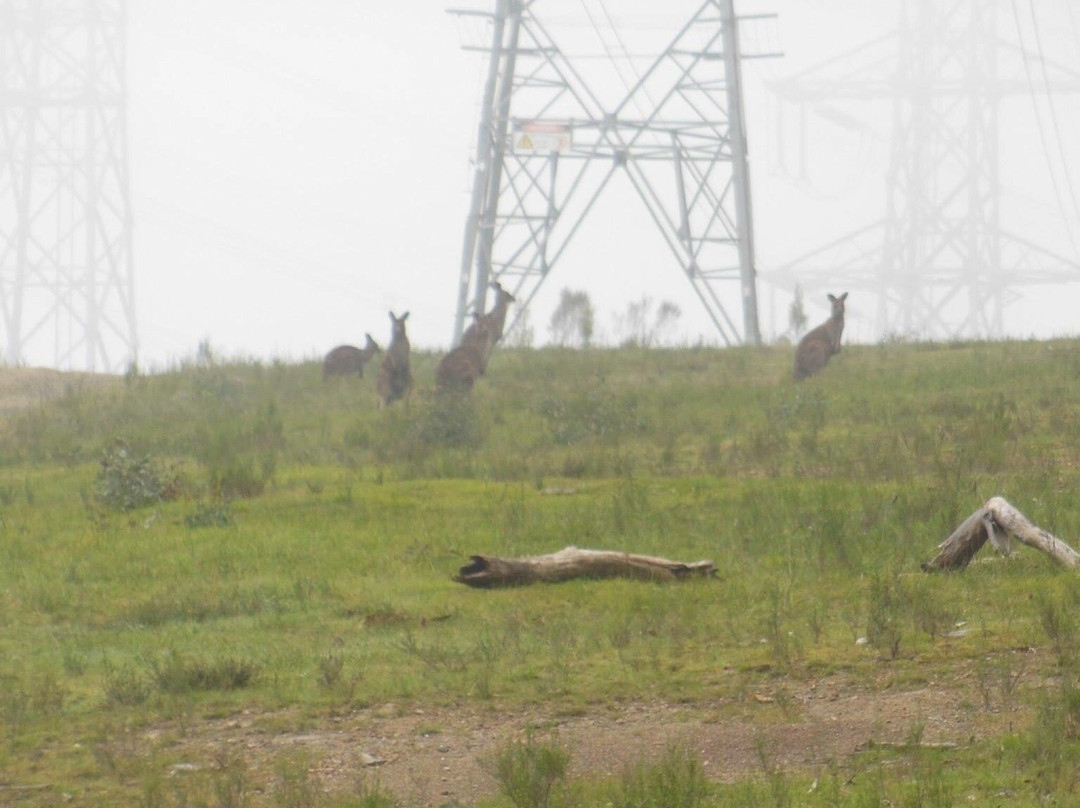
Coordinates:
(25, 387)
(433, 756)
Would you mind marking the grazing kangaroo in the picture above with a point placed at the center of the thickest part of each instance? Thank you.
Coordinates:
(345, 360)
(494, 322)
(821, 343)
(458, 370)
(395, 378)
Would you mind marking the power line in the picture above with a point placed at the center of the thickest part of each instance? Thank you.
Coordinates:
(1053, 107)
(234, 243)
(1042, 129)
(612, 59)
(1072, 21)
(626, 50)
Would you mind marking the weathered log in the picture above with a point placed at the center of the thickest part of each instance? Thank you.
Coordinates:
(998, 521)
(1016, 524)
(963, 543)
(486, 572)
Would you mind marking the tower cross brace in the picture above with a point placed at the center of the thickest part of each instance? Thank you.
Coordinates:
(547, 148)
(939, 261)
(66, 276)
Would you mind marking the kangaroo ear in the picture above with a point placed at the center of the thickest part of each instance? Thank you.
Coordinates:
(843, 296)
(392, 317)
(404, 317)
(832, 299)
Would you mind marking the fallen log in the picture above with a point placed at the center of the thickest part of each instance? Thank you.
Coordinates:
(485, 572)
(998, 521)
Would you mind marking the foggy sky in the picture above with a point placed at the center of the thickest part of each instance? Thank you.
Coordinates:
(301, 166)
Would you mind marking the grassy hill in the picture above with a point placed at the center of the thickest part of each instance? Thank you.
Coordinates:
(235, 537)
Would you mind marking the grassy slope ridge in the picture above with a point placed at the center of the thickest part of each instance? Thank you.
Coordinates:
(304, 555)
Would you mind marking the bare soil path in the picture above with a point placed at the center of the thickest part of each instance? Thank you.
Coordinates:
(434, 755)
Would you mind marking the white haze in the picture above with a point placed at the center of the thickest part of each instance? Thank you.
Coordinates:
(301, 166)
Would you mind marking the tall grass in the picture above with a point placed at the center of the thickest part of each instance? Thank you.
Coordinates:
(303, 555)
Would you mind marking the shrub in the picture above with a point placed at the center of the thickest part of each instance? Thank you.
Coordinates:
(208, 515)
(179, 675)
(237, 478)
(451, 422)
(886, 606)
(677, 781)
(241, 459)
(126, 481)
(124, 686)
(528, 771)
(594, 413)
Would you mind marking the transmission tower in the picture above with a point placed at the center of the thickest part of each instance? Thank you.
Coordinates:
(547, 147)
(66, 281)
(939, 261)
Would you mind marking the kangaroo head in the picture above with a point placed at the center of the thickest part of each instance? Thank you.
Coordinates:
(838, 306)
(371, 345)
(398, 325)
(501, 295)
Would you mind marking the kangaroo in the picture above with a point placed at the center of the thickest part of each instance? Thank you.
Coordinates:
(459, 369)
(820, 343)
(345, 360)
(476, 334)
(395, 377)
(494, 321)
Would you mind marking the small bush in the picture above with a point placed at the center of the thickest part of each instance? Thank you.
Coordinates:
(331, 666)
(372, 795)
(208, 515)
(295, 787)
(594, 414)
(237, 478)
(124, 686)
(126, 481)
(241, 459)
(677, 781)
(885, 611)
(451, 422)
(528, 771)
(179, 675)
(231, 780)
(1059, 625)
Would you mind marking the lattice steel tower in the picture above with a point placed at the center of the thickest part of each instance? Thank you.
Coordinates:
(66, 280)
(547, 147)
(939, 261)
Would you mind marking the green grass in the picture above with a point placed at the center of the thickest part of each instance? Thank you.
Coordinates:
(300, 549)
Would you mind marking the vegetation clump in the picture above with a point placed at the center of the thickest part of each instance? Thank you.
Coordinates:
(127, 481)
(529, 771)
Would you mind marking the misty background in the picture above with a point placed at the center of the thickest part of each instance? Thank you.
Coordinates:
(300, 167)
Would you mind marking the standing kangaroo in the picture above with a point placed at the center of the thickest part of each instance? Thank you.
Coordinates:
(494, 322)
(458, 370)
(821, 343)
(345, 360)
(395, 378)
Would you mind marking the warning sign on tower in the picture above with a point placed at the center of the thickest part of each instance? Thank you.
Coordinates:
(541, 137)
